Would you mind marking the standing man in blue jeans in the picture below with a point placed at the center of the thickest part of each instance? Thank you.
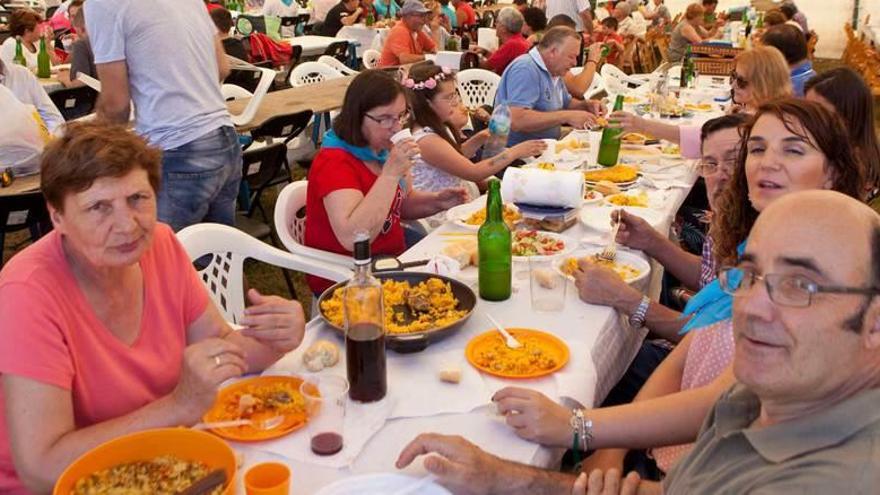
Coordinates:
(163, 55)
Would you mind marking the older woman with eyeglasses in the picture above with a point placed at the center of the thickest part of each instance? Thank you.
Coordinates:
(107, 329)
(360, 181)
(789, 146)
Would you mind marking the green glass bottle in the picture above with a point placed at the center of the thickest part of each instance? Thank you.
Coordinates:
(609, 147)
(44, 67)
(606, 49)
(759, 24)
(370, 18)
(687, 69)
(19, 54)
(493, 244)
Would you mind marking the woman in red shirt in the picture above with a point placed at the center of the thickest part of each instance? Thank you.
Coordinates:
(360, 181)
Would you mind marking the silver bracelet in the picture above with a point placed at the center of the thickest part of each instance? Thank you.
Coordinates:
(637, 319)
(583, 427)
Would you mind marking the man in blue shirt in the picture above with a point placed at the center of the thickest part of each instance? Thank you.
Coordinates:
(533, 88)
(791, 42)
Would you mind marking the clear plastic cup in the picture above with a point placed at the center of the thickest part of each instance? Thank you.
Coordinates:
(326, 397)
(547, 285)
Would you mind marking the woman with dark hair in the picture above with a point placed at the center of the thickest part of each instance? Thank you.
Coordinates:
(792, 145)
(444, 160)
(360, 181)
(844, 91)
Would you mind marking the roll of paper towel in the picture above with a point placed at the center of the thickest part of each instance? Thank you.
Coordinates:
(543, 187)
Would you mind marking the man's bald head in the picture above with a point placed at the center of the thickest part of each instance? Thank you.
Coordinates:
(807, 325)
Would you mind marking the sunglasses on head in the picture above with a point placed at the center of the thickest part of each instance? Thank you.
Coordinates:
(739, 80)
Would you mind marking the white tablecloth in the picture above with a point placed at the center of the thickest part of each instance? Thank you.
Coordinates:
(368, 37)
(601, 350)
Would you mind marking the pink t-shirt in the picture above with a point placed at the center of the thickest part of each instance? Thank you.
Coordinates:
(49, 333)
(710, 352)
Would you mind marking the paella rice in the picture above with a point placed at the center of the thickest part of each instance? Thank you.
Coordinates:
(427, 305)
(260, 401)
(164, 475)
(624, 271)
(533, 357)
(511, 216)
(616, 174)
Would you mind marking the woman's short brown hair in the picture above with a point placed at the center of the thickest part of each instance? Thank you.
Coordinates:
(23, 20)
(369, 89)
(89, 151)
(824, 130)
(694, 11)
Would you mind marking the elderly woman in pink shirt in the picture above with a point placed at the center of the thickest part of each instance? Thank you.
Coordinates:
(106, 327)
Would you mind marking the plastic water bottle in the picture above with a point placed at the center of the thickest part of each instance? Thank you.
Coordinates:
(499, 128)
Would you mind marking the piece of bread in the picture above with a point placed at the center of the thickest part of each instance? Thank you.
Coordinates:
(322, 354)
(450, 374)
(607, 187)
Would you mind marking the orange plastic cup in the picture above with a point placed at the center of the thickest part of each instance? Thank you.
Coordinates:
(267, 478)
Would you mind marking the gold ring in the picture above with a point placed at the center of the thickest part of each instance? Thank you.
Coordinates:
(217, 360)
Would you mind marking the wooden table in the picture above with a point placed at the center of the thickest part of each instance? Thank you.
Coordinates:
(22, 185)
(319, 98)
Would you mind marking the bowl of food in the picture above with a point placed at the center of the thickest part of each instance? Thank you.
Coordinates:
(629, 266)
(168, 460)
(526, 243)
(541, 353)
(263, 400)
(472, 215)
(592, 197)
(420, 308)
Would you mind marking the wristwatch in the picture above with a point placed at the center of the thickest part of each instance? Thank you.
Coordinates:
(637, 319)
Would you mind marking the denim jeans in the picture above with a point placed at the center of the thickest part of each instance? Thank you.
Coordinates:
(200, 180)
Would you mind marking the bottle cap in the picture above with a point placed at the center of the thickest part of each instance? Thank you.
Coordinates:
(361, 248)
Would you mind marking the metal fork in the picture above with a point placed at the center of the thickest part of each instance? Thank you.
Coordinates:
(610, 251)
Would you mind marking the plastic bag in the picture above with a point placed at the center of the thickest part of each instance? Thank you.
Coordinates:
(22, 135)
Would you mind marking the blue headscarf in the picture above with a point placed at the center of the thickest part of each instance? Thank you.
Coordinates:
(287, 3)
(711, 304)
(364, 153)
(331, 140)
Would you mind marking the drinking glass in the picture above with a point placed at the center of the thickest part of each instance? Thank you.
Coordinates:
(325, 396)
(547, 284)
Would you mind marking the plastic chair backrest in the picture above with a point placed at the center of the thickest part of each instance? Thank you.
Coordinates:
(228, 248)
(338, 50)
(290, 224)
(336, 64)
(267, 76)
(616, 81)
(477, 87)
(308, 73)
(371, 58)
(286, 127)
(233, 92)
(74, 103)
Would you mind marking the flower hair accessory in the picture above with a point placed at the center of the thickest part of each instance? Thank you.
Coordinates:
(430, 83)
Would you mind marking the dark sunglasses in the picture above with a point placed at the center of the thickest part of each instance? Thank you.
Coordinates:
(737, 79)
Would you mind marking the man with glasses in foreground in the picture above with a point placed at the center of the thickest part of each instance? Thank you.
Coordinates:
(803, 417)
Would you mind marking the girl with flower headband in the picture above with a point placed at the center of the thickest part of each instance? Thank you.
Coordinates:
(445, 157)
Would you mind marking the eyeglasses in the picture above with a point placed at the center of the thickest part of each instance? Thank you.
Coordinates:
(388, 122)
(785, 290)
(710, 168)
(737, 79)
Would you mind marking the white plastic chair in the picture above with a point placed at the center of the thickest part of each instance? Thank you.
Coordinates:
(228, 248)
(308, 73)
(477, 87)
(336, 64)
(246, 115)
(233, 92)
(371, 58)
(618, 82)
(290, 225)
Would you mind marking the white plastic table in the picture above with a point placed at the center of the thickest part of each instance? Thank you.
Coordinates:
(367, 37)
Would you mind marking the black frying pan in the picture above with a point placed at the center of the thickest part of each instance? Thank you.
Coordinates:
(417, 341)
